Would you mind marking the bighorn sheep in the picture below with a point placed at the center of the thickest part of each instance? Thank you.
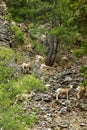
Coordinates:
(63, 91)
(25, 65)
(39, 58)
(80, 89)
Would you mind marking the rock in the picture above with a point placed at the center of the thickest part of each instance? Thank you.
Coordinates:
(38, 97)
(58, 119)
(63, 110)
(47, 85)
(48, 118)
(63, 124)
(5, 34)
(42, 97)
(68, 79)
(49, 129)
(47, 98)
(43, 39)
(83, 124)
(15, 67)
(65, 58)
(82, 106)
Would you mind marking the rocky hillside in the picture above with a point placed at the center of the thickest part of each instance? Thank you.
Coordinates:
(5, 33)
(66, 113)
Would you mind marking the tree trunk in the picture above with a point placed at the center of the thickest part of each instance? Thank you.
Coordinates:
(50, 50)
(53, 46)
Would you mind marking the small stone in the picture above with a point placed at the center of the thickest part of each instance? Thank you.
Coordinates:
(63, 110)
(63, 124)
(68, 79)
(82, 106)
(58, 119)
(47, 85)
(49, 129)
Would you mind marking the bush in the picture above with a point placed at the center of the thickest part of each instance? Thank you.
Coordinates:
(82, 50)
(7, 57)
(39, 48)
(25, 84)
(19, 35)
(79, 53)
(13, 116)
(83, 69)
(6, 54)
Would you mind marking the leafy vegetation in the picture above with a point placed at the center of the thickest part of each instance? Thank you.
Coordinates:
(84, 71)
(57, 13)
(28, 10)
(12, 115)
(82, 50)
(39, 48)
(67, 18)
(79, 9)
(18, 34)
(79, 53)
(25, 84)
(6, 72)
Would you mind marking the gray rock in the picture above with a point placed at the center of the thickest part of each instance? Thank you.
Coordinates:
(68, 79)
(5, 33)
(82, 106)
(63, 110)
(15, 67)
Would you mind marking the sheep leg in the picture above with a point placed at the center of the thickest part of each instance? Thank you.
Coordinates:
(78, 95)
(67, 97)
(57, 95)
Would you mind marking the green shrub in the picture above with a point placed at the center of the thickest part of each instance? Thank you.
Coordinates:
(7, 57)
(39, 48)
(14, 118)
(19, 35)
(6, 54)
(6, 72)
(29, 82)
(83, 52)
(83, 70)
(12, 115)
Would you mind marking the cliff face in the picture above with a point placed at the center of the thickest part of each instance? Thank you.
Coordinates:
(5, 34)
